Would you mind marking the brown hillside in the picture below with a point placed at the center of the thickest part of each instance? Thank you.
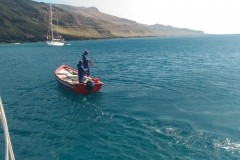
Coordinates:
(26, 20)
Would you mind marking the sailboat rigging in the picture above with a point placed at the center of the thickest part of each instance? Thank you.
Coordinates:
(51, 41)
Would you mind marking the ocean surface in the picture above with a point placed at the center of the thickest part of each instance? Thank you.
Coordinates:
(163, 98)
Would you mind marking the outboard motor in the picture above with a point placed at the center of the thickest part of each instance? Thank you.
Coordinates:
(89, 86)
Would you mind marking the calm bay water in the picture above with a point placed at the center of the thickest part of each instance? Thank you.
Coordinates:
(164, 98)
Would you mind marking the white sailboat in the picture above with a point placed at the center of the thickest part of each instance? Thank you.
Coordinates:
(51, 41)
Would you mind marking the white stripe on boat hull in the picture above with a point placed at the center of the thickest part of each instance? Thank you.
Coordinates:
(64, 83)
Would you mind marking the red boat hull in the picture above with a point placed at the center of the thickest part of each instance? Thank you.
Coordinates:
(74, 86)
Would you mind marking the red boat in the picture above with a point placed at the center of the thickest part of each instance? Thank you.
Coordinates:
(67, 77)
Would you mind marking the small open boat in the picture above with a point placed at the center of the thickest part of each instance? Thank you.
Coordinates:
(67, 77)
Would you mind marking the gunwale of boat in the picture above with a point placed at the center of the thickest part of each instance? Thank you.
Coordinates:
(67, 74)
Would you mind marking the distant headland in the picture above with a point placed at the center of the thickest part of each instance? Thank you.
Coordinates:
(27, 21)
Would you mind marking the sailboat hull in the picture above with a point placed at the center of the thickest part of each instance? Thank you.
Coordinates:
(52, 44)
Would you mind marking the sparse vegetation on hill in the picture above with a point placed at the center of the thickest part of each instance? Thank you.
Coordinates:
(27, 21)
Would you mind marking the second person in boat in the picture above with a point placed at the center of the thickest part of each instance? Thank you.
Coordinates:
(81, 72)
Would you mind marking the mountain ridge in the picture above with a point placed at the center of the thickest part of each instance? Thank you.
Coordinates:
(27, 21)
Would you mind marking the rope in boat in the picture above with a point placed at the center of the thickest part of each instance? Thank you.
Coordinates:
(8, 144)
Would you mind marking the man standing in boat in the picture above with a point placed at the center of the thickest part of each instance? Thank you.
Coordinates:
(86, 62)
(81, 72)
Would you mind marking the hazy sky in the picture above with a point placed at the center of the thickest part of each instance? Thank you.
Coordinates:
(210, 16)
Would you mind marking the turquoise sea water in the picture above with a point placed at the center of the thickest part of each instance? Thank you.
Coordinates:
(164, 98)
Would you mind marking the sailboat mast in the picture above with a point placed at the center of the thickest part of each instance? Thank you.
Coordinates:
(51, 21)
(57, 29)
